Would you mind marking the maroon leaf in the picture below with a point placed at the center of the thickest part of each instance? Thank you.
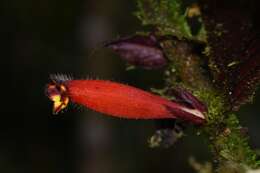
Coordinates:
(234, 49)
(139, 50)
(248, 79)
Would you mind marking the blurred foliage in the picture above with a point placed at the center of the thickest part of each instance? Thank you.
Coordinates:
(171, 18)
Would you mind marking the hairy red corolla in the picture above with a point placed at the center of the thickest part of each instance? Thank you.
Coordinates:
(118, 100)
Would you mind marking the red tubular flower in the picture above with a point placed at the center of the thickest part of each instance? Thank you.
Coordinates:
(118, 100)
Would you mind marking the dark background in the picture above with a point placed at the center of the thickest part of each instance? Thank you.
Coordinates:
(43, 37)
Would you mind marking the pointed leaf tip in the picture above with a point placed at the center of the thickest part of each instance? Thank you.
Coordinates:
(185, 97)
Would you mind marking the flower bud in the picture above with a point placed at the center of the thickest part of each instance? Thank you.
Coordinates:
(139, 50)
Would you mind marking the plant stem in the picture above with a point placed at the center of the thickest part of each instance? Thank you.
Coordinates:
(227, 140)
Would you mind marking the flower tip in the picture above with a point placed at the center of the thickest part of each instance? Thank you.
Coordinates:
(56, 92)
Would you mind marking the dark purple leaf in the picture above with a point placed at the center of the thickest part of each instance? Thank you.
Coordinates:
(139, 50)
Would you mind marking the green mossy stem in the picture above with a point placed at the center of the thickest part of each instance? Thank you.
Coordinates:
(227, 142)
(223, 131)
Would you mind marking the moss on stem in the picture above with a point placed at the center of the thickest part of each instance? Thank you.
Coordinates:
(187, 69)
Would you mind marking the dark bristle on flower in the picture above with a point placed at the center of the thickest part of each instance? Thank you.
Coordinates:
(60, 78)
(139, 50)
